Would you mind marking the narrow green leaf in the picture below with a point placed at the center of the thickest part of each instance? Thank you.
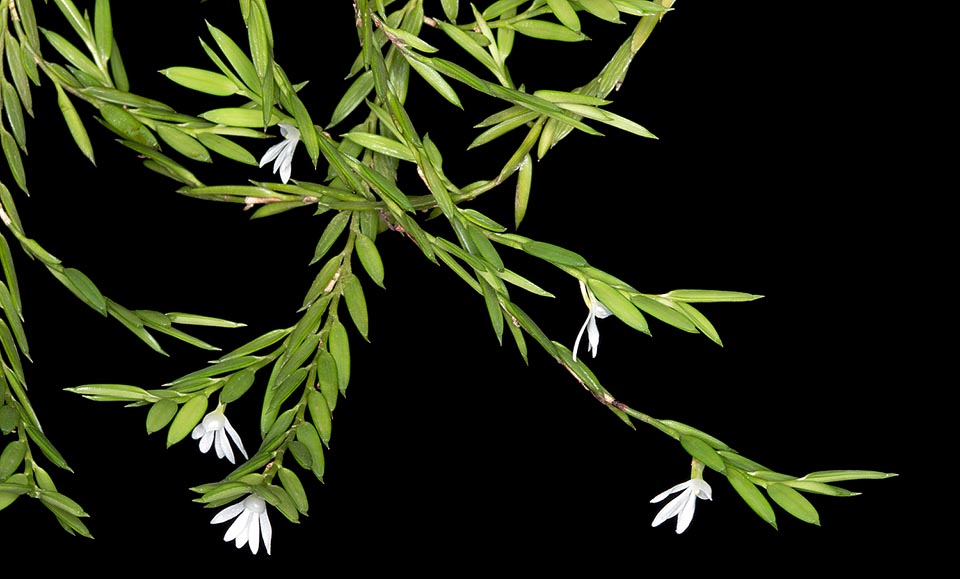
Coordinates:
(16, 325)
(434, 79)
(113, 391)
(339, 345)
(46, 447)
(200, 80)
(294, 488)
(307, 434)
(547, 31)
(330, 235)
(160, 414)
(522, 195)
(183, 143)
(554, 254)
(72, 118)
(794, 503)
(620, 306)
(11, 457)
(117, 70)
(236, 57)
(370, 258)
(60, 502)
(493, 309)
(664, 313)
(320, 413)
(6, 259)
(11, 104)
(752, 496)
(565, 14)
(709, 296)
(75, 56)
(238, 117)
(132, 323)
(28, 18)
(190, 414)
(826, 476)
(691, 431)
(89, 292)
(18, 72)
(356, 303)
(237, 385)
(352, 98)
(702, 323)
(11, 150)
(227, 148)
(127, 125)
(103, 29)
(703, 452)
(381, 144)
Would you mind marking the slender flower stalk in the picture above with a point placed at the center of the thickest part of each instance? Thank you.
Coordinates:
(595, 310)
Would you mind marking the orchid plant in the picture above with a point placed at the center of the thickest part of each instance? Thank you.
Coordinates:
(302, 371)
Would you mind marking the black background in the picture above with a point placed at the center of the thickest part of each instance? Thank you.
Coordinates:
(450, 454)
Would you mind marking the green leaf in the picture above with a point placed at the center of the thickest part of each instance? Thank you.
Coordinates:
(88, 292)
(709, 296)
(103, 29)
(72, 118)
(127, 125)
(45, 446)
(352, 98)
(356, 303)
(183, 143)
(547, 31)
(664, 313)
(11, 457)
(794, 503)
(522, 194)
(11, 150)
(339, 344)
(236, 57)
(115, 392)
(370, 258)
(554, 254)
(237, 385)
(190, 414)
(703, 452)
(307, 435)
(565, 14)
(826, 476)
(11, 104)
(74, 56)
(55, 500)
(197, 320)
(619, 305)
(160, 414)
(434, 79)
(330, 235)
(227, 148)
(238, 117)
(320, 413)
(699, 320)
(204, 81)
(752, 496)
(294, 488)
(18, 72)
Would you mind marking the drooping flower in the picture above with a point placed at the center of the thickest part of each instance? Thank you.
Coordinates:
(283, 151)
(213, 431)
(596, 310)
(251, 523)
(682, 505)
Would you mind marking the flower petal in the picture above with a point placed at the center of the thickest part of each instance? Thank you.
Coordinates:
(238, 528)
(198, 431)
(671, 490)
(593, 334)
(223, 445)
(236, 438)
(253, 533)
(576, 344)
(266, 530)
(272, 153)
(671, 508)
(227, 514)
(686, 512)
(206, 441)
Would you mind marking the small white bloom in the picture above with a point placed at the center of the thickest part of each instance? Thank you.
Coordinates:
(283, 151)
(682, 505)
(596, 310)
(213, 431)
(251, 523)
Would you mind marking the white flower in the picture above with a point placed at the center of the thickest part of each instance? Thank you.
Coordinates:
(597, 310)
(283, 151)
(682, 505)
(251, 522)
(213, 431)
